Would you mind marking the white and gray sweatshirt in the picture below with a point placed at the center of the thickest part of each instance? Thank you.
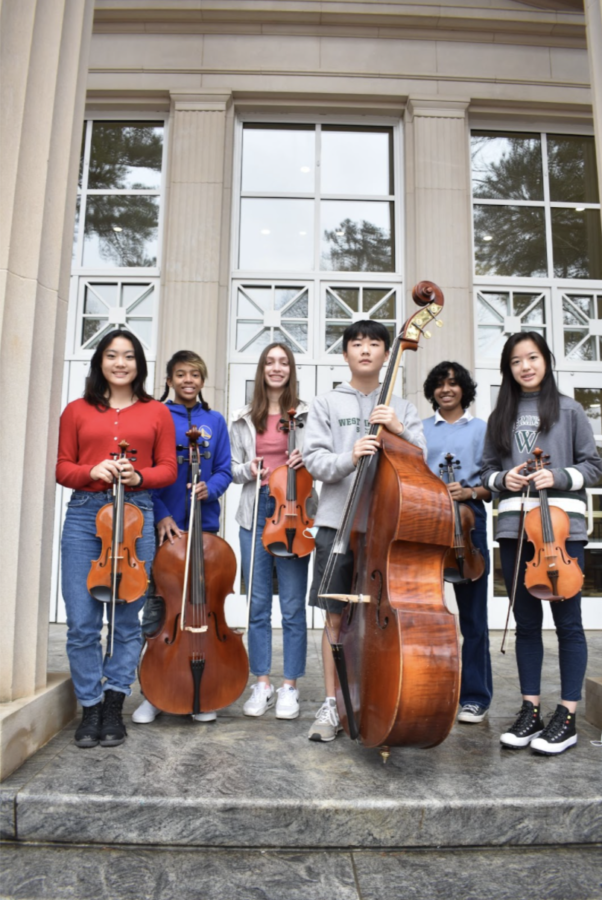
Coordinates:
(575, 464)
(335, 422)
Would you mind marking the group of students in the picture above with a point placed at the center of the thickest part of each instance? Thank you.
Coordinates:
(492, 458)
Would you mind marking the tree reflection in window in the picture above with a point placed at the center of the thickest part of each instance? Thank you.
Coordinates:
(358, 247)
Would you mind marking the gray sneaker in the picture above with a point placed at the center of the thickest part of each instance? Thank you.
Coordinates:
(327, 724)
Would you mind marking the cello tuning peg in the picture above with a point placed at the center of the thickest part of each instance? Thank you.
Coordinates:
(439, 323)
(427, 334)
(132, 451)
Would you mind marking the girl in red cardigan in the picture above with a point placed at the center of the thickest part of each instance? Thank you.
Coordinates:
(115, 407)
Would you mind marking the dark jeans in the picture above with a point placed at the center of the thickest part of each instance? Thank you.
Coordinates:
(477, 684)
(528, 612)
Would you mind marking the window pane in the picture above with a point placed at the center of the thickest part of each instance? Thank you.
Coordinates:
(510, 240)
(385, 310)
(577, 243)
(295, 330)
(356, 161)
(126, 156)
(99, 297)
(572, 167)
(591, 401)
(276, 235)
(506, 167)
(592, 586)
(91, 326)
(357, 236)
(576, 347)
(142, 328)
(492, 307)
(138, 299)
(278, 159)
(121, 231)
(247, 331)
(349, 296)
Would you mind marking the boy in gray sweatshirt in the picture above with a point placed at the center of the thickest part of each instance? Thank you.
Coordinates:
(336, 436)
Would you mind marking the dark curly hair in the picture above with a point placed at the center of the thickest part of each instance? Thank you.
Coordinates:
(437, 376)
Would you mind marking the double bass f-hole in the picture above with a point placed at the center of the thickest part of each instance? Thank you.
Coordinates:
(378, 574)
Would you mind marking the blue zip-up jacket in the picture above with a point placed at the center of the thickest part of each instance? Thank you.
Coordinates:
(215, 472)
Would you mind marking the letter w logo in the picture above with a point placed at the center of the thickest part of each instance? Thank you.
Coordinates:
(525, 440)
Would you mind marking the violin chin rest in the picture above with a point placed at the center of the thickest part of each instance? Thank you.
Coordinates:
(453, 577)
(281, 550)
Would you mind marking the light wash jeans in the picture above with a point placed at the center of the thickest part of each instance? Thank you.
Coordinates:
(79, 546)
(292, 587)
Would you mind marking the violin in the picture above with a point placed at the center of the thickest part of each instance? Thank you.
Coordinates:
(552, 574)
(397, 657)
(464, 562)
(286, 534)
(118, 576)
(195, 662)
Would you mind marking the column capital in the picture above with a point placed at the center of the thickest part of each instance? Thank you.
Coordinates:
(436, 108)
(201, 101)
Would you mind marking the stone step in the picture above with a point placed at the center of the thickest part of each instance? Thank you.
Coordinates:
(54, 873)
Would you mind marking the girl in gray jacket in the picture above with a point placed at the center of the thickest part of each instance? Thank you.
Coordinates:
(255, 435)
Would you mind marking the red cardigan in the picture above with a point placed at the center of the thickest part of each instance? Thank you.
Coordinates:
(87, 436)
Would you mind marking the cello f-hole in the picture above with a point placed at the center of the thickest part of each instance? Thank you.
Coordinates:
(170, 641)
(220, 637)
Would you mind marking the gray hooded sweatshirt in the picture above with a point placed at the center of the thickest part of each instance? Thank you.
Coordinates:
(335, 422)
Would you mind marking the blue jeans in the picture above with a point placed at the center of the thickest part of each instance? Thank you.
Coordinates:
(292, 586)
(528, 613)
(79, 546)
(477, 683)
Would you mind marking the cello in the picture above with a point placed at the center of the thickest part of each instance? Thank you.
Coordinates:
(464, 562)
(397, 656)
(286, 533)
(552, 574)
(195, 662)
(118, 576)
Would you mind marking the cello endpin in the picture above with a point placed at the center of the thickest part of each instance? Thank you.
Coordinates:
(385, 753)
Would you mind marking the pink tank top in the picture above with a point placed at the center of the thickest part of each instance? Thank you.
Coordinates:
(272, 445)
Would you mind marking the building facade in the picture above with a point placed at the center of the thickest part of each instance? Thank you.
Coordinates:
(251, 171)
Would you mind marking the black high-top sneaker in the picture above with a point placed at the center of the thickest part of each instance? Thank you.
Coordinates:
(113, 730)
(88, 730)
(558, 735)
(528, 725)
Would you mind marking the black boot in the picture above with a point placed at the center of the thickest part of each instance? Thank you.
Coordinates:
(113, 730)
(88, 730)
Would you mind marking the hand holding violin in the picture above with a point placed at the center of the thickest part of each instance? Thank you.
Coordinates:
(108, 471)
(295, 460)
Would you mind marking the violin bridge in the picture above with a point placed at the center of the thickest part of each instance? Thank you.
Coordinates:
(196, 630)
(348, 598)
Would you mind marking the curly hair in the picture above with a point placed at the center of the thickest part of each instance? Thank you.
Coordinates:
(437, 376)
(190, 358)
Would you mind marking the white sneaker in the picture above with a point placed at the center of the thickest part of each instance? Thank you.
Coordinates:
(287, 705)
(327, 724)
(205, 717)
(261, 699)
(145, 713)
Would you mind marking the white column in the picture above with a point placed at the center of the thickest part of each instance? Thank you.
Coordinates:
(195, 264)
(438, 235)
(44, 54)
(593, 20)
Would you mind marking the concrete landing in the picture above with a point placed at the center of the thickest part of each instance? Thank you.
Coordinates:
(259, 783)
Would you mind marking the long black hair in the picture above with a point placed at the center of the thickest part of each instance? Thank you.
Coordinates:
(190, 358)
(502, 419)
(97, 390)
(437, 376)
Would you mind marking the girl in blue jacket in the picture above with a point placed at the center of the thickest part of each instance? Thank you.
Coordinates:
(186, 375)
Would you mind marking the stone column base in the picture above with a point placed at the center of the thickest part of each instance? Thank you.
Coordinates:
(29, 723)
(593, 701)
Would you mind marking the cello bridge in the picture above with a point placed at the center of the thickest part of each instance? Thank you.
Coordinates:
(200, 630)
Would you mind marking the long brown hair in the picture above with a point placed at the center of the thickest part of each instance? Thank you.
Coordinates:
(289, 399)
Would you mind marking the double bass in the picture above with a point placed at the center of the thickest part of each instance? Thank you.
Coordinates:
(286, 533)
(195, 662)
(118, 576)
(397, 655)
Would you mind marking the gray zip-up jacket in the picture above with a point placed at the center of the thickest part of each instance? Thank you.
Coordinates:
(337, 419)
(574, 460)
(243, 438)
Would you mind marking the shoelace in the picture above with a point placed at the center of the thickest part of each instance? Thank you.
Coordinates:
(472, 708)
(258, 690)
(327, 714)
(111, 714)
(555, 726)
(526, 716)
(91, 715)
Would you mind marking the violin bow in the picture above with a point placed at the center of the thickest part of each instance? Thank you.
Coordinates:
(519, 550)
(253, 540)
